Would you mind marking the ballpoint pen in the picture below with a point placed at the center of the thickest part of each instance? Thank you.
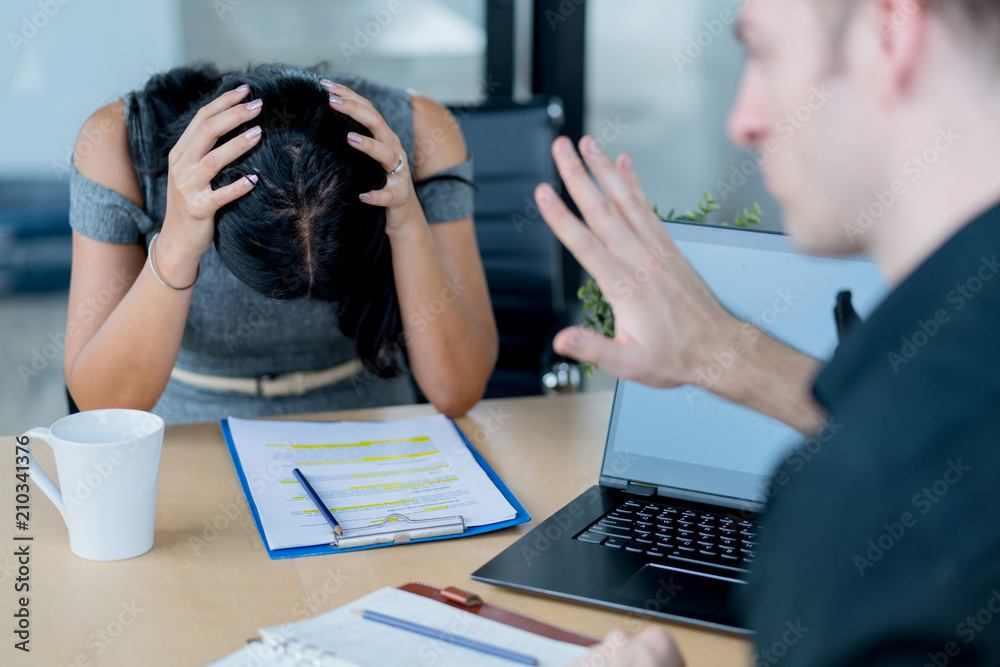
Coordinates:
(441, 635)
(311, 492)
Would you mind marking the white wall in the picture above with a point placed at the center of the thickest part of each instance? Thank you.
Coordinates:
(62, 59)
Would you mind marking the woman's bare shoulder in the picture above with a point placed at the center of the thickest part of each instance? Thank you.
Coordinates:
(102, 154)
(437, 138)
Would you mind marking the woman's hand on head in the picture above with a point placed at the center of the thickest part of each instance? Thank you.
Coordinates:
(189, 224)
(398, 197)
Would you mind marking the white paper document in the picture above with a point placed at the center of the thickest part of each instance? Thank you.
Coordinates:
(339, 638)
(363, 471)
(373, 644)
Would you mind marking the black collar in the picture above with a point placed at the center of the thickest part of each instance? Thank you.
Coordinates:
(955, 289)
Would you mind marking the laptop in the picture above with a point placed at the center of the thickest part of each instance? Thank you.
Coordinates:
(671, 528)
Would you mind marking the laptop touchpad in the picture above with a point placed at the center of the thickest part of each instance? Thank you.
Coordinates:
(672, 590)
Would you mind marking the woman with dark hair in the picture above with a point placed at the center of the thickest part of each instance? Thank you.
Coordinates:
(265, 242)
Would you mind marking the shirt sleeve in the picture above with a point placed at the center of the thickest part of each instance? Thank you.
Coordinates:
(100, 213)
(448, 194)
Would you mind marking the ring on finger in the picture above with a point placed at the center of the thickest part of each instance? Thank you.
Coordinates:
(399, 167)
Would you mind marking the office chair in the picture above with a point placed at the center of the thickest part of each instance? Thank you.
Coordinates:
(509, 143)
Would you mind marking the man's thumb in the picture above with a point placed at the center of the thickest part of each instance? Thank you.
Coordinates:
(586, 345)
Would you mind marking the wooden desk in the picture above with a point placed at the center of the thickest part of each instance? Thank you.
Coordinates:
(207, 584)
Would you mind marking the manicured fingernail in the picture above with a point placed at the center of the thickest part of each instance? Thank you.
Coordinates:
(256, 104)
(354, 138)
(243, 88)
(250, 180)
(365, 197)
(566, 148)
(336, 99)
(329, 85)
(253, 132)
(594, 146)
(627, 162)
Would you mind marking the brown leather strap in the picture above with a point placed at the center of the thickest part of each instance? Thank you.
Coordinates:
(472, 603)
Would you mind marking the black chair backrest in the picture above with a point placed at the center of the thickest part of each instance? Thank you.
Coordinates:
(510, 144)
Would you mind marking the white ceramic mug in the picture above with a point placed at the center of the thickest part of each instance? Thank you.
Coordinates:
(108, 462)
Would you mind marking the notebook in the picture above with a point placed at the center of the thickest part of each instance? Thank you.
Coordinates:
(339, 638)
(386, 482)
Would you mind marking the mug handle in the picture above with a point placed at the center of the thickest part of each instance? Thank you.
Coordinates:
(38, 475)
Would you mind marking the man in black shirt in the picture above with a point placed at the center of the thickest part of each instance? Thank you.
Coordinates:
(878, 548)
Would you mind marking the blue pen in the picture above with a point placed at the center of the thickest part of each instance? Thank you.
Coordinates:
(446, 637)
(311, 492)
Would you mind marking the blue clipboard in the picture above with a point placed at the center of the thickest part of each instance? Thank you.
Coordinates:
(521, 515)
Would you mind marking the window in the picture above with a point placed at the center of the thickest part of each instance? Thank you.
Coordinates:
(436, 47)
(660, 80)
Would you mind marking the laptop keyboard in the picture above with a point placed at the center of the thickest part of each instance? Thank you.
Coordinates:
(664, 532)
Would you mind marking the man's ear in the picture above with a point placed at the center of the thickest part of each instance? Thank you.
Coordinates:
(901, 30)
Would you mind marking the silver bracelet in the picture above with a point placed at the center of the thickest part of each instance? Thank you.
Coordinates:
(152, 265)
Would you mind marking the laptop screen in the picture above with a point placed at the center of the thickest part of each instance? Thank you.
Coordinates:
(698, 445)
